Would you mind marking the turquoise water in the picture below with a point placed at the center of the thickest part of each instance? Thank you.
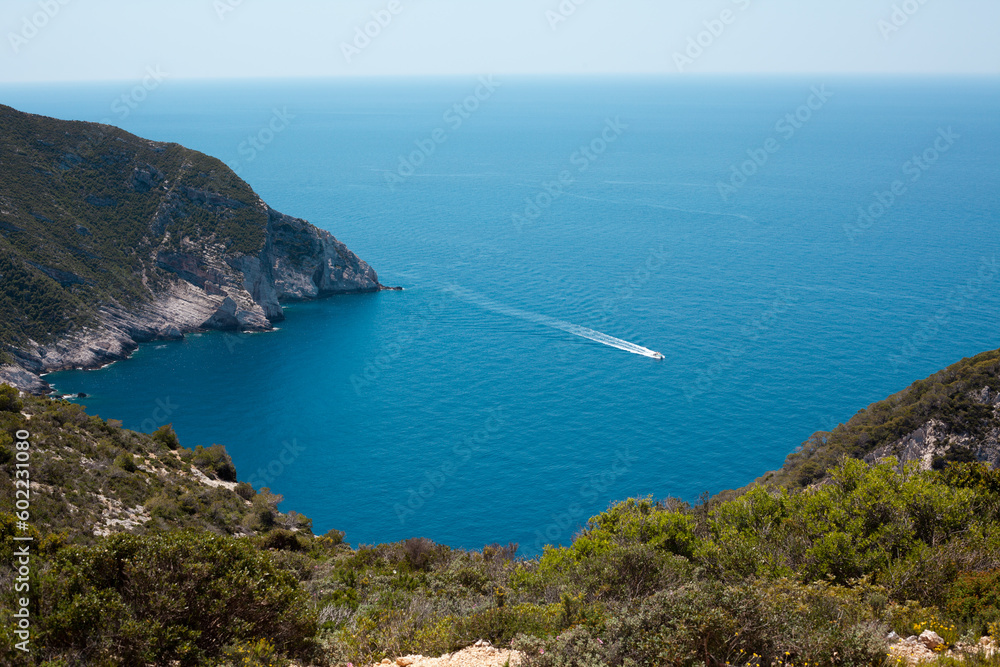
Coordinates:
(455, 416)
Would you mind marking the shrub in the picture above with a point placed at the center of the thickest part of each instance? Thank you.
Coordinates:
(180, 596)
(264, 510)
(216, 461)
(283, 540)
(125, 462)
(9, 399)
(420, 553)
(259, 653)
(499, 625)
(333, 537)
(165, 436)
(577, 647)
(954, 455)
(630, 571)
(757, 622)
(6, 448)
(245, 491)
(975, 597)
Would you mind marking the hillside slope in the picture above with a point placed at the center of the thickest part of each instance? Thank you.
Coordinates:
(951, 416)
(91, 477)
(108, 240)
(142, 552)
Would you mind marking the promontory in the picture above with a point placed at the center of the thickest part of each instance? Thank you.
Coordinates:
(108, 240)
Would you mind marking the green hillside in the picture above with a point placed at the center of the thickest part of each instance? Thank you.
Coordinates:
(946, 396)
(207, 572)
(82, 206)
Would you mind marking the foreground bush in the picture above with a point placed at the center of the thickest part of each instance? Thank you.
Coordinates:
(181, 596)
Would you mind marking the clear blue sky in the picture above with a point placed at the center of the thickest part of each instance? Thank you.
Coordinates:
(119, 39)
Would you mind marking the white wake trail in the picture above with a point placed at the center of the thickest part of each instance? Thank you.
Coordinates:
(547, 321)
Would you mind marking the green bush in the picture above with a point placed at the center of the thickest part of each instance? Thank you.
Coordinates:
(333, 537)
(165, 436)
(421, 553)
(283, 540)
(9, 399)
(245, 491)
(126, 462)
(181, 596)
(264, 510)
(577, 647)
(975, 596)
(214, 460)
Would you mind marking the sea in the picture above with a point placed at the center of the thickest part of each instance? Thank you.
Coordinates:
(795, 248)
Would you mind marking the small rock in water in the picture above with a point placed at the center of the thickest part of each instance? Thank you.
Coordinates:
(930, 639)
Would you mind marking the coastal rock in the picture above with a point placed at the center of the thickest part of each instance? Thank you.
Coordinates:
(936, 439)
(930, 639)
(306, 262)
(178, 244)
(23, 379)
(479, 655)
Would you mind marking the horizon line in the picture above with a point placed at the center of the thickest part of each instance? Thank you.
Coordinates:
(533, 75)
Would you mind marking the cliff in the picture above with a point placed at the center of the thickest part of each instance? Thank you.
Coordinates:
(108, 240)
(952, 416)
(938, 442)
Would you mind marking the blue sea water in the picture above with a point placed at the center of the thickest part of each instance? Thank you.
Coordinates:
(424, 413)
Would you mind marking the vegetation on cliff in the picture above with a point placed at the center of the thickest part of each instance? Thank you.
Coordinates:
(81, 207)
(209, 572)
(948, 396)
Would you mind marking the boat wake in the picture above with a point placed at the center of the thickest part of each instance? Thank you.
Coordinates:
(544, 320)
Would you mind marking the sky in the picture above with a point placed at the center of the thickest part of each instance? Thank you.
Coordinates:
(87, 40)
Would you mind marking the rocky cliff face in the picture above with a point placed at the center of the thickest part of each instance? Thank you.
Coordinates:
(150, 241)
(936, 442)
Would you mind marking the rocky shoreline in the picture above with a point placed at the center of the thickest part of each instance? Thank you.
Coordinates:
(133, 241)
(206, 290)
